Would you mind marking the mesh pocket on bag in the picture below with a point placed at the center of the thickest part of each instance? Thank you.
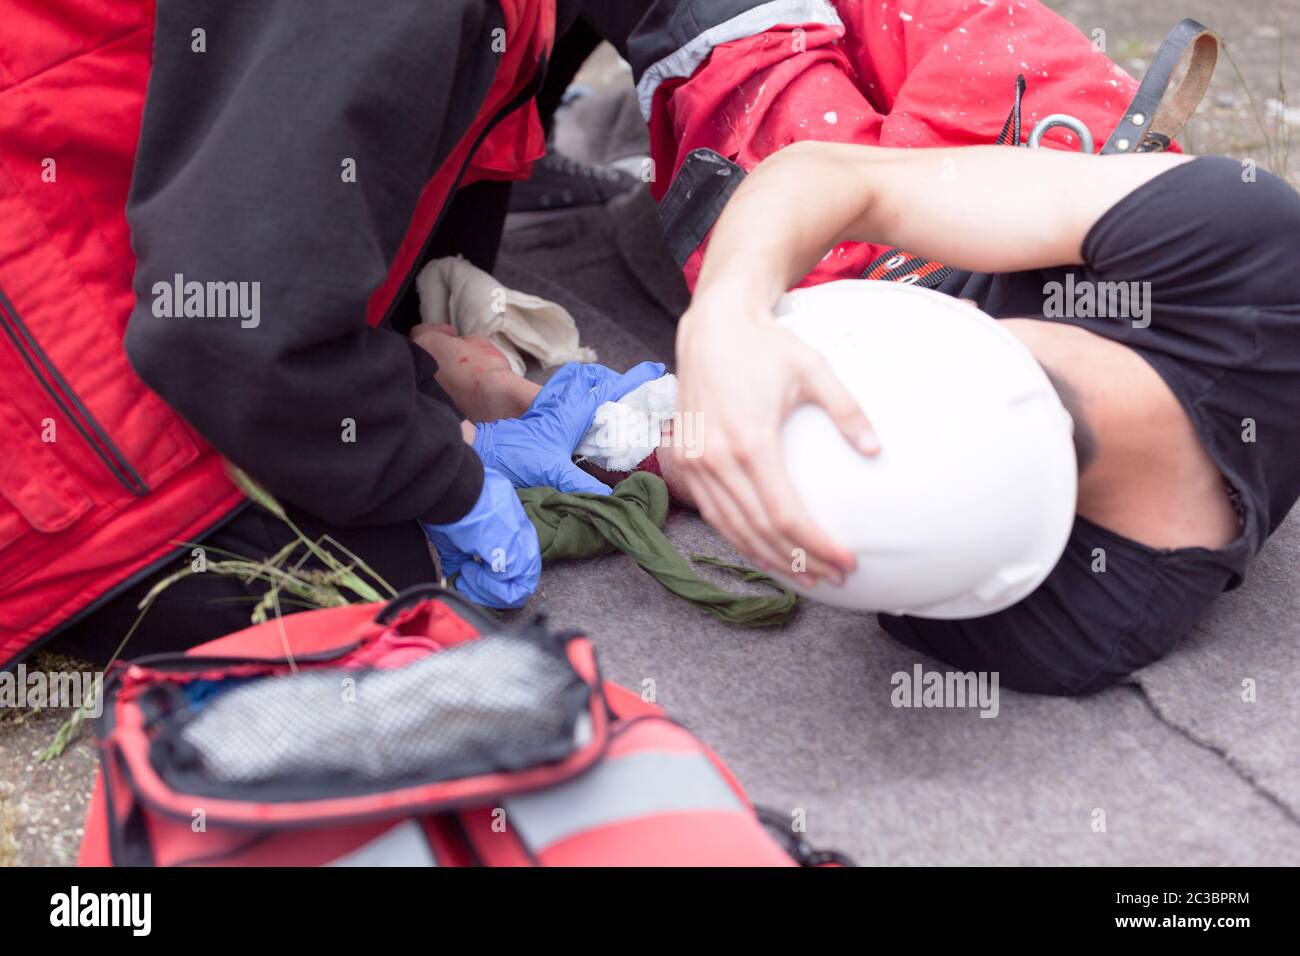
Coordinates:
(500, 703)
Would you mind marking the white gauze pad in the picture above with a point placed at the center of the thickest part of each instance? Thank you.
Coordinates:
(623, 433)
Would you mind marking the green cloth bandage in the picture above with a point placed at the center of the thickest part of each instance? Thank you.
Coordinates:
(631, 520)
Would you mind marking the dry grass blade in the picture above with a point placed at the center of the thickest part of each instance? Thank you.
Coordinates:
(293, 584)
(1277, 147)
(255, 491)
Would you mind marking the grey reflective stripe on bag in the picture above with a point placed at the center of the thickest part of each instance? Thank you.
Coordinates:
(636, 785)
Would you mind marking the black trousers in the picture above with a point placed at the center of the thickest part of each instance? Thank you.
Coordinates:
(206, 606)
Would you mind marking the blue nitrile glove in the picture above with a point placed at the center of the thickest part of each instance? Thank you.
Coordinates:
(536, 449)
(494, 548)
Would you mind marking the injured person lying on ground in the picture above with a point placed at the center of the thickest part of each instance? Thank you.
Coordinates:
(937, 483)
(1185, 407)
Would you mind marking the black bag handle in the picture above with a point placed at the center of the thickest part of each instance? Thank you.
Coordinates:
(419, 593)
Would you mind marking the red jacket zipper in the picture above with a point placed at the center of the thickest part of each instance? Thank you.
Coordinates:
(66, 399)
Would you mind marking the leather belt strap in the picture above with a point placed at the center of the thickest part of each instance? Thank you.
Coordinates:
(1149, 127)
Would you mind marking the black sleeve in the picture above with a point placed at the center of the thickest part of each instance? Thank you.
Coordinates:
(646, 31)
(1208, 234)
(239, 179)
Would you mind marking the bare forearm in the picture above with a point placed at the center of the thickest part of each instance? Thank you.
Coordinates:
(988, 209)
(778, 224)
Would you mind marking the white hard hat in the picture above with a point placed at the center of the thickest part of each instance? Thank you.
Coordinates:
(968, 506)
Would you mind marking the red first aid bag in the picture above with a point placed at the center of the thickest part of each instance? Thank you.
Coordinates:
(420, 732)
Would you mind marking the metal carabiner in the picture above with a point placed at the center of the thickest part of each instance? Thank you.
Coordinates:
(1071, 123)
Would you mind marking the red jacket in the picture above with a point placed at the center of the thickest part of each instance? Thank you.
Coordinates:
(100, 479)
(894, 73)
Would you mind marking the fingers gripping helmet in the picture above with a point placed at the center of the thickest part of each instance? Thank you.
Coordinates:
(968, 506)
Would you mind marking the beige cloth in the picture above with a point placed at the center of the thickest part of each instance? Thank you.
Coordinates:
(454, 292)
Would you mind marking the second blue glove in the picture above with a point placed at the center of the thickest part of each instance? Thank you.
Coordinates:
(493, 549)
